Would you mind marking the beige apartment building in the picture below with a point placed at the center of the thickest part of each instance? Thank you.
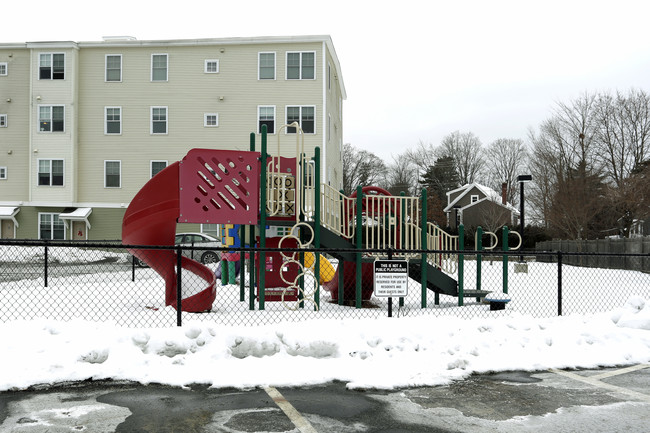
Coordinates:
(84, 125)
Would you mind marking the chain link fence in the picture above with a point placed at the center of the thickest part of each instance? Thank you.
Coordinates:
(102, 281)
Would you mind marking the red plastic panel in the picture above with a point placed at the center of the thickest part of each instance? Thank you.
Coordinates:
(219, 187)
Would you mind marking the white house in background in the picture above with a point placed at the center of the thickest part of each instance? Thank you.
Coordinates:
(476, 205)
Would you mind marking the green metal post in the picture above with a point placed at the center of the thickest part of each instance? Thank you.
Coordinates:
(242, 267)
(423, 243)
(359, 223)
(505, 259)
(317, 212)
(251, 254)
(461, 265)
(341, 266)
(262, 265)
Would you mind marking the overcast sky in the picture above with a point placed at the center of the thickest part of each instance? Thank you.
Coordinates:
(413, 70)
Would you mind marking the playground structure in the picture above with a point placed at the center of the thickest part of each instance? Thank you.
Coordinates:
(234, 188)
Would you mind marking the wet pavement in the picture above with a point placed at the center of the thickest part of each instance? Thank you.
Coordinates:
(601, 400)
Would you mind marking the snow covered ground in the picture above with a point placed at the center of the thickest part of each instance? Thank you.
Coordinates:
(236, 347)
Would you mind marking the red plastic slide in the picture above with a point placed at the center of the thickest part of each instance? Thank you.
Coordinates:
(151, 220)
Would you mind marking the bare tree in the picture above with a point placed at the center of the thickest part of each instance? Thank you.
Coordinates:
(402, 176)
(361, 168)
(423, 156)
(507, 158)
(467, 151)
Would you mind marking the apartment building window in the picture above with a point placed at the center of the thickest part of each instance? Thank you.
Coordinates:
(159, 120)
(3, 68)
(266, 116)
(112, 174)
(114, 67)
(157, 167)
(266, 62)
(3, 120)
(3, 173)
(51, 118)
(113, 123)
(50, 172)
(159, 67)
(51, 66)
(50, 226)
(301, 66)
(211, 119)
(304, 115)
(212, 66)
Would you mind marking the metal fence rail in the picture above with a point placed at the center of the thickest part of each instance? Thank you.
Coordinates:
(99, 281)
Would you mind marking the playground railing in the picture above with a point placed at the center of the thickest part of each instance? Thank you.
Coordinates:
(335, 210)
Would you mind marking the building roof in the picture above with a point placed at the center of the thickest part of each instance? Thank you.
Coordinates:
(489, 194)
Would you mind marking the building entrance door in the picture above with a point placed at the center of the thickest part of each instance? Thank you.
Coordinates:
(79, 230)
(7, 229)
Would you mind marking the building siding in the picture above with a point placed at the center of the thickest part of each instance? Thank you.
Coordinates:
(234, 93)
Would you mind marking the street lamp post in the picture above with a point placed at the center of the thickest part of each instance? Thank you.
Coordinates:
(522, 179)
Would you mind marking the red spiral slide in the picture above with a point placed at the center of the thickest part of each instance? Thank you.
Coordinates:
(151, 220)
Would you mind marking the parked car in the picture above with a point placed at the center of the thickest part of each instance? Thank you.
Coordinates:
(207, 248)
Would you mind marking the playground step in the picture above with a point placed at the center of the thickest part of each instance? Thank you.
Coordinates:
(475, 293)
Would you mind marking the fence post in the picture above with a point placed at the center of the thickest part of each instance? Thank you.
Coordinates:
(179, 286)
(505, 248)
(359, 223)
(479, 246)
(261, 282)
(423, 263)
(45, 266)
(559, 283)
(461, 264)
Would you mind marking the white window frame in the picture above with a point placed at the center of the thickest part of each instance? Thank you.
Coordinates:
(300, 68)
(53, 216)
(51, 66)
(152, 120)
(106, 121)
(473, 198)
(300, 107)
(4, 69)
(106, 68)
(275, 121)
(205, 120)
(151, 163)
(208, 62)
(259, 65)
(3, 172)
(166, 66)
(50, 171)
(50, 118)
(3, 120)
(106, 161)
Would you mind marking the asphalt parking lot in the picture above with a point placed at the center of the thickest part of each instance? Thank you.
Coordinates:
(599, 400)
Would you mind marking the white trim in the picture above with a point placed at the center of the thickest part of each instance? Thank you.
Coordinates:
(166, 120)
(6, 69)
(166, 68)
(38, 166)
(79, 214)
(38, 117)
(205, 66)
(286, 66)
(3, 120)
(275, 119)
(51, 54)
(120, 173)
(275, 65)
(10, 212)
(205, 120)
(51, 228)
(151, 165)
(106, 121)
(3, 172)
(106, 68)
(286, 113)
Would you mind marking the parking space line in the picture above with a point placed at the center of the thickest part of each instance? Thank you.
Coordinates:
(296, 418)
(620, 371)
(597, 383)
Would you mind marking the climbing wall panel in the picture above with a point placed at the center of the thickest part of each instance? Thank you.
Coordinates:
(219, 187)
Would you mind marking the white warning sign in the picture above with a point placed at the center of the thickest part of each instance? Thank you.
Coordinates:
(391, 278)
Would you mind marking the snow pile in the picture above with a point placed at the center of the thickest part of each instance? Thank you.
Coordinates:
(378, 353)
